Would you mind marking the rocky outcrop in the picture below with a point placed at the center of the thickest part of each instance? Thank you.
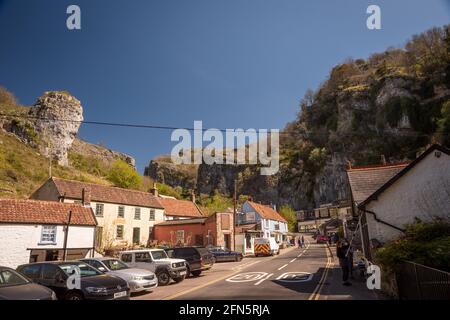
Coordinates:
(57, 117)
(171, 174)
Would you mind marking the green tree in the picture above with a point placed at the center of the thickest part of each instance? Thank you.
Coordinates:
(289, 214)
(123, 175)
(443, 123)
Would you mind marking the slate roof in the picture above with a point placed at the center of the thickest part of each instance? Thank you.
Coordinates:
(266, 212)
(44, 212)
(181, 208)
(366, 180)
(100, 193)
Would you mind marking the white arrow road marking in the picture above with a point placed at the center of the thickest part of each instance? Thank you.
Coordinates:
(295, 277)
(260, 281)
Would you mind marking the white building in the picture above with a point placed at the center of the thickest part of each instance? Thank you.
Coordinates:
(257, 220)
(421, 190)
(125, 217)
(33, 231)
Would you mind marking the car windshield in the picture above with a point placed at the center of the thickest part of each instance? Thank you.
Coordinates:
(115, 264)
(83, 269)
(159, 254)
(11, 278)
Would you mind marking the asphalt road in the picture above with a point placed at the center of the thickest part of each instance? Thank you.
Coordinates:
(294, 274)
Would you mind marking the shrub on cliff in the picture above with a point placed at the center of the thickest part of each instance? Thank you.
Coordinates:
(289, 214)
(123, 175)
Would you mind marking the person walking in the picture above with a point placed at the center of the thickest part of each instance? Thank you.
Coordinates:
(342, 253)
(299, 242)
(303, 241)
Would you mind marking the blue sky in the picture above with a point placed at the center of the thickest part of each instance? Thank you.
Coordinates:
(229, 63)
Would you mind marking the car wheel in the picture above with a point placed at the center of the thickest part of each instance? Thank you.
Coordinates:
(163, 278)
(196, 273)
(74, 296)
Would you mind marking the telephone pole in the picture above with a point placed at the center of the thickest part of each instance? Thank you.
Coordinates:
(66, 234)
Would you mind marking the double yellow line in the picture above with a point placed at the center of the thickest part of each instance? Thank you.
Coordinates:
(316, 293)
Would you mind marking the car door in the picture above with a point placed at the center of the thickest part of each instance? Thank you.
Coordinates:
(54, 278)
(144, 260)
(32, 272)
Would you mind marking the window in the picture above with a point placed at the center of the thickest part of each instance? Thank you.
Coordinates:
(180, 236)
(119, 232)
(277, 226)
(152, 215)
(11, 278)
(137, 213)
(48, 234)
(126, 257)
(32, 271)
(142, 257)
(266, 221)
(121, 212)
(49, 271)
(99, 209)
(136, 235)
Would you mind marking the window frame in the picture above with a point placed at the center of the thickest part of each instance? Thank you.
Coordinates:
(54, 234)
(122, 231)
(137, 213)
(152, 214)
(97, 207)
(119, 213)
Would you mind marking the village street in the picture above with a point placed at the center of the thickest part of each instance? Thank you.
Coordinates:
(297, 273)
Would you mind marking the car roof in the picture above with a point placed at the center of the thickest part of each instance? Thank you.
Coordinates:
(142, 250)
(99, 258)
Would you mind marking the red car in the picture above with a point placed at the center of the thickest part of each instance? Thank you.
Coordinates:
(322, 239)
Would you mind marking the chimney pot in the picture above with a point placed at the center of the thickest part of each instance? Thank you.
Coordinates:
(154, 190)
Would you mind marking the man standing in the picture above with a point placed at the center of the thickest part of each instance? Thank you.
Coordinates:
(342, 253)
(303, 241)
(299, 242)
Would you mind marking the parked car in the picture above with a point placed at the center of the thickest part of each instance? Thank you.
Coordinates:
(157, 261)
(266, 247)
(138, 279)
(223, 254)
(322, 238)
(198, 258)
(14, 286)
(93, 284)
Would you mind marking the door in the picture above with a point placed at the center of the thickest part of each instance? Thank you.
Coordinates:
(136, 235)
(144, 260)
(227, 240)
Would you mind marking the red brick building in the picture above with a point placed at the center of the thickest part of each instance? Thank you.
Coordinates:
(216, 230)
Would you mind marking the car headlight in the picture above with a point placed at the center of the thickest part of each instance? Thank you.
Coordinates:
(138, 278)
(96, 289)
(54, 296)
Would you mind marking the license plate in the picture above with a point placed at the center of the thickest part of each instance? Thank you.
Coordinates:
(182, 273)
(120, 294)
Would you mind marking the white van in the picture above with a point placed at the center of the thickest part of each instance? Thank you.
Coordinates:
(266, 247)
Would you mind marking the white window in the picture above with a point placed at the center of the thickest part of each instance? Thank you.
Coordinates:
(137, 213)
(99, 209)
(121, 212)
(48, 234)
(152, 215)
(180, 236)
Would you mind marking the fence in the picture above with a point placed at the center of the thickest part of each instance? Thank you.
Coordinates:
(419, 282)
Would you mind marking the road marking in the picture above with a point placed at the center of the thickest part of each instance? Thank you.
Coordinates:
(260, 281)
(295, 277)
(247, 276)
(316, 293)
(292, 260)
(245, 265)
(283, 266)
(182, 293)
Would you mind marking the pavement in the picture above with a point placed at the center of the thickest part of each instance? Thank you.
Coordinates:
(309, 273)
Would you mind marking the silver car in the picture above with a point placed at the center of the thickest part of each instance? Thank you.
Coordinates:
(138, 279)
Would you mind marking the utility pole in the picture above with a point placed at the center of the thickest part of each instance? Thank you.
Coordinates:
(66, 233)
(234, 212)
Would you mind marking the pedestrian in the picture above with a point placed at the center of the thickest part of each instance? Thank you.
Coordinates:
(299, 242)
(342, 253)
(303, 241)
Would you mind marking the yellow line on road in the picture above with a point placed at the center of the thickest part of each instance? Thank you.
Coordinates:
(316, 293)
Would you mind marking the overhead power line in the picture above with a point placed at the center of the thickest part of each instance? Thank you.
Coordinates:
(157, 127)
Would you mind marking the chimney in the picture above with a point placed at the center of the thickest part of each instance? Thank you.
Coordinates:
(193, 196)
(154, 190)
(383, 160)
(86, 197)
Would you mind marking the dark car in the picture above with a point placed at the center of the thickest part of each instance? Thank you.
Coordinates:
(223, 254)
(198, 259)
(14, 286)
(92, 284)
